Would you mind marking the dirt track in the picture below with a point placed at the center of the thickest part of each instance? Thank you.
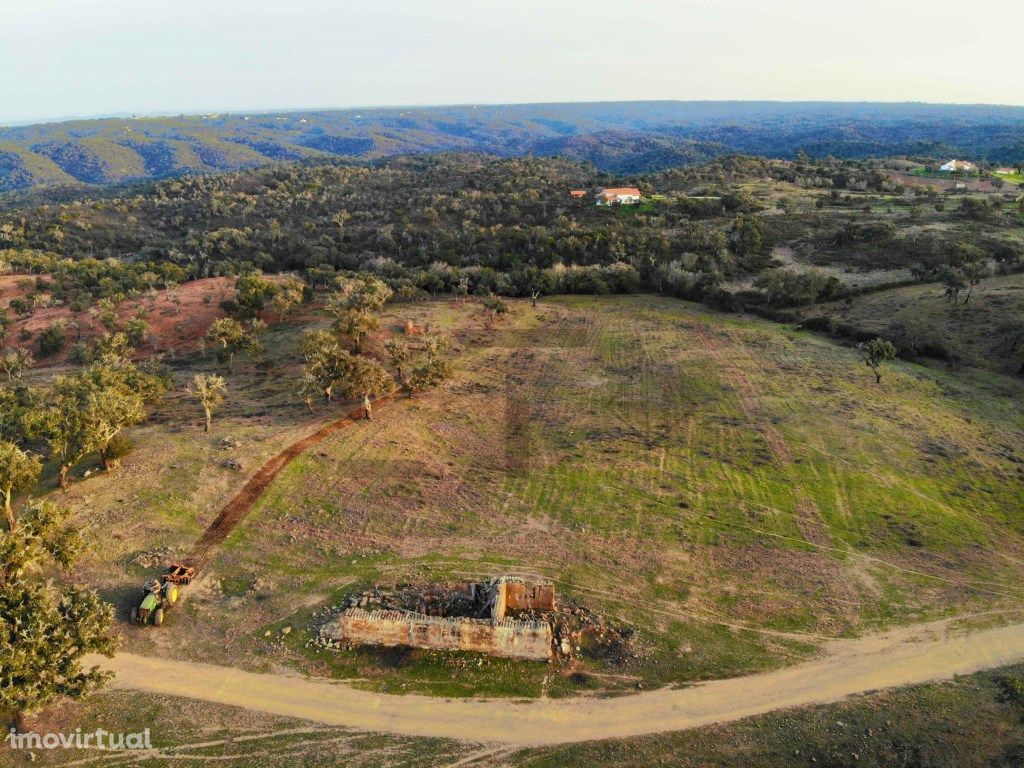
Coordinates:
(907, 656)
(236, 510)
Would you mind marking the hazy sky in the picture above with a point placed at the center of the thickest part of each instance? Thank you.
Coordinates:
(63, 58)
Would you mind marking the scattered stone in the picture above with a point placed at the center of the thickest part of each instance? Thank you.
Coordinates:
(286, 630)
(153, 558)
(234, 464)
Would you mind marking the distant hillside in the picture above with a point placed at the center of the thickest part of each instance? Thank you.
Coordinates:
(621, 137)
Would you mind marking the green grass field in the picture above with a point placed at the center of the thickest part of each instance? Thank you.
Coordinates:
(1012, 178)
(733, 490)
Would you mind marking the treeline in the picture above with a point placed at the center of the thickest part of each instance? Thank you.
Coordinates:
(486, 218)
(481, 225)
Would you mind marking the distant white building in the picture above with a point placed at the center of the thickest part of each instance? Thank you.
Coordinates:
(958, 165)
(619, 196)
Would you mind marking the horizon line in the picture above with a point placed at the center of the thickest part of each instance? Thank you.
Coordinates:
(23, 123)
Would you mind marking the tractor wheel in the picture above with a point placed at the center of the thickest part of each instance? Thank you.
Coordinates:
(158, 617)
(172, 595)
(135, 615)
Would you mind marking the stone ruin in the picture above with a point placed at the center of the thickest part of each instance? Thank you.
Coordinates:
(501, 617)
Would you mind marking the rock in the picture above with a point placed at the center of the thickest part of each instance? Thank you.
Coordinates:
(565, 648)
(286, 630)
(235, 464)
(268, 633)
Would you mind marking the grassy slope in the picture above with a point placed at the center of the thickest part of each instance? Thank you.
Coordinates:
(733, 490)
(971, 332)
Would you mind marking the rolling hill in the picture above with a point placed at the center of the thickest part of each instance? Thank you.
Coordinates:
(624, 137)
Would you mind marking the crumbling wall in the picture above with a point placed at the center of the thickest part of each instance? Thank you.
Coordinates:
(514, 595)
(504, 637)
(527, 596)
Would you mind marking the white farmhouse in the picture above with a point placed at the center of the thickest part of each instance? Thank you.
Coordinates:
(619, 196)
(958, 165)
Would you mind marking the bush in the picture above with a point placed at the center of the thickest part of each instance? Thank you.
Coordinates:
(137, 330)
(117, 449)
(79, 353)
(1012, 688)
(52, 339)
(496, 305)
(786, 288)
(918, 337)
(21, 306)
(410, 293)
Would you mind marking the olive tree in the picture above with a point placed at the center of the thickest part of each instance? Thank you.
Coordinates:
(84, 413)
(325, 361)
(209, 389)
(364, 378)
(47, 627)
(231, 337)
(431, 369)
(18, 470)
(876, 352)
(13, 363)
(398, 354)
(288, 294)
(355, 307)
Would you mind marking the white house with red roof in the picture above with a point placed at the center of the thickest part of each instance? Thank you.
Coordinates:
(619, 196)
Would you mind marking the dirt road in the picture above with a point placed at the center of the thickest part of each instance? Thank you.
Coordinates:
(910, 655)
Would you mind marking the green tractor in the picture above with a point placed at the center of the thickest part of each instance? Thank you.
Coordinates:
(160, 595)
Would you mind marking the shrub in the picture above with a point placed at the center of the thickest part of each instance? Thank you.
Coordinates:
(117, 449)
(52, 339)
(1012, 689)
(496, 305)
(79, 353)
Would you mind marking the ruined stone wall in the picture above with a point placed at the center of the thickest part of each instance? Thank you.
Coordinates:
(514, 595)
(526, 596)
(503, 637)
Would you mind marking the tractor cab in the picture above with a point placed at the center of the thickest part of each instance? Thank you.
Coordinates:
(158, 595)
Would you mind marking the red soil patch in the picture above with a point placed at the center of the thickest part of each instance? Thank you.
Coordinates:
(9, 288)
(178, 319)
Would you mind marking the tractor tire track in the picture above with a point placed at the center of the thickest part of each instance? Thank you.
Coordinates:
(236, 510)
(807, 515)
(748, 397)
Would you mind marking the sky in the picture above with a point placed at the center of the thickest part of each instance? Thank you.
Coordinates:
(77, 58)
